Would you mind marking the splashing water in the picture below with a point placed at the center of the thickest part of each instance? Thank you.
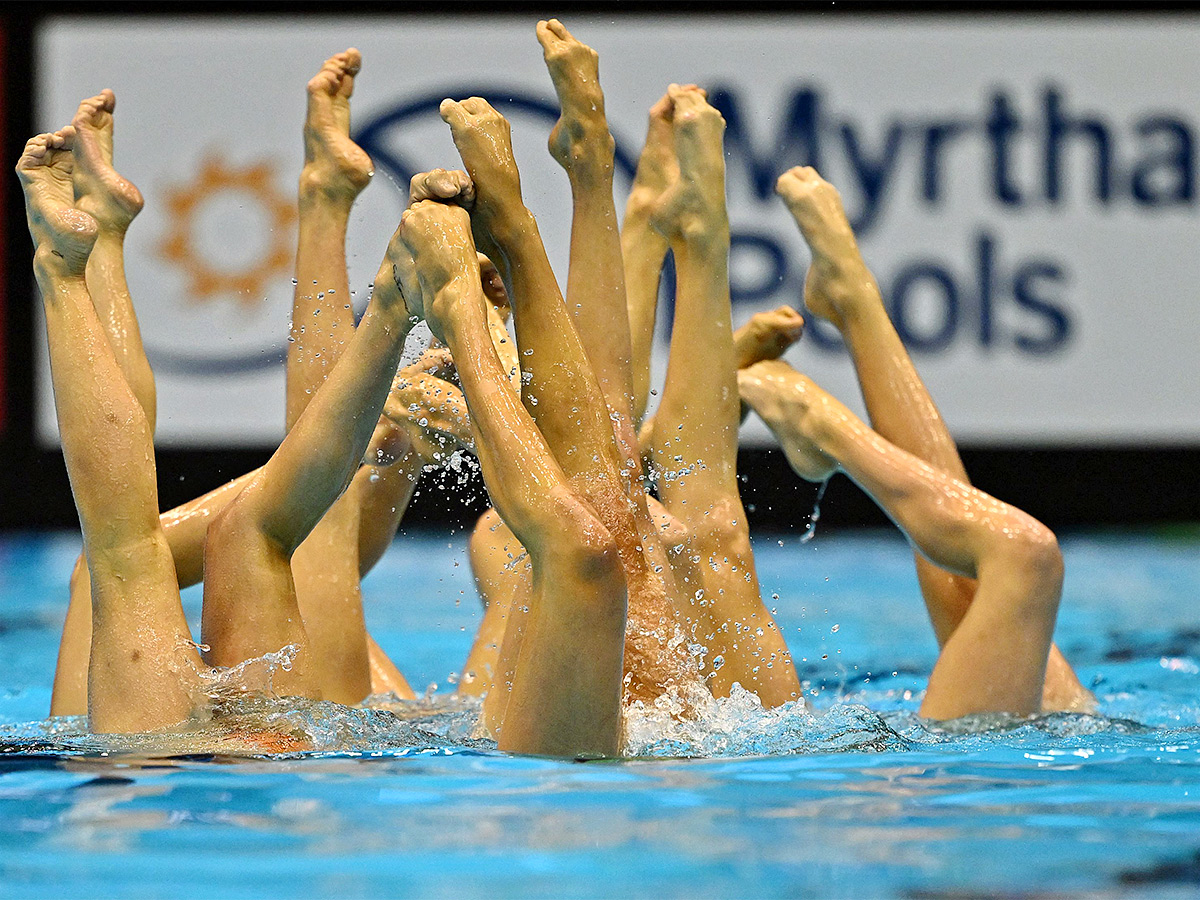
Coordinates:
(810, 530)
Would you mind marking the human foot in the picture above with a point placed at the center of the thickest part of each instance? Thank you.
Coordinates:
(657, 167)
(334, 166)
(789, 403)
(439, 251)
(99, 191)
(838, 282)
(693, 207)
(484, 141)
(580, 141)
(431, 411)
(766, 336)
(63, 236)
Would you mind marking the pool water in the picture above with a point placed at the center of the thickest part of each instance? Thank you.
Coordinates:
(864, 800)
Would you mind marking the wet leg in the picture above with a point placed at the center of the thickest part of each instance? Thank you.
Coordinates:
(566, 689)
(696, 424)
(250, 604)
(143, 667)
(841, 289)
(644, 248)
(113, 202)
(562, 393)
(995, 661)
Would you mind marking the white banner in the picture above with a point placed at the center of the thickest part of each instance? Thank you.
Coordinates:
(1024, 190)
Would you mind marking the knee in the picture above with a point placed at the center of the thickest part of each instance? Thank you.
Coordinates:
(237, 528)
(585, 546)
(1033, 551)
(724, 526)
(673, 532)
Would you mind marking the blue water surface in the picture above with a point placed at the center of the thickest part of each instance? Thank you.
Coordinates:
(864, 800)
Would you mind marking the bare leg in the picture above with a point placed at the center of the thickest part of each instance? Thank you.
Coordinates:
(113, 202)
(143, 668)
(696, 423)
(995, 661)
(325, 567)
(184, 529)
(643, 248)
(841, 289)
(562, 394)
(250, 603)
(566, 692)
(582, 145)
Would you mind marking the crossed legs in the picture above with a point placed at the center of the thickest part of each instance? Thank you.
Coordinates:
(565, 694)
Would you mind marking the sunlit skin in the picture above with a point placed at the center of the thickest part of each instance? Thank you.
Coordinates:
(144, 670)
(931, 481)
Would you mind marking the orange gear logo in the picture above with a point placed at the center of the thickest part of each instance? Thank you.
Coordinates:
(185, 204)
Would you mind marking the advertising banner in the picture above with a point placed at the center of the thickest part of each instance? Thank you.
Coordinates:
(1023, 189)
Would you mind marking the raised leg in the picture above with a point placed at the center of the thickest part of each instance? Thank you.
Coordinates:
(566, 690)
(562, 393)
(581, 144)
(841, 289)
(695, 442)
(143, 667)
(114, 203)
(325, 567)
(644, 248)
(250, 605)
(995, 661)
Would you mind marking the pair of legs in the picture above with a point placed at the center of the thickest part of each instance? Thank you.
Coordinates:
(678, 203)
(143, 668)
(352, 536)
(575, 369)
(990, 575)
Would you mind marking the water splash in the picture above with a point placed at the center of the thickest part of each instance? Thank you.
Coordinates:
(810, 530)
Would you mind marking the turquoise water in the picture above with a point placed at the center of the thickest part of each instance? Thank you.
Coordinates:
(863, 800)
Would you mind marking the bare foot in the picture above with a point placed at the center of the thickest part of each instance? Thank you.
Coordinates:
(766, 336)
(438, 250)
(580, 141)
(99, 191)
(693, 207)
(838, 281)
(445, 185)
(657, 167)
(788, 402)
(334, 166)
(62, 235)
(432, 412)
(484, 141)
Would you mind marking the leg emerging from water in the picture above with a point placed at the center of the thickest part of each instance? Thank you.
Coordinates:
(250, 605)
(842, 290)
(113, 203)
(995, 661)
(566, 686)
(562, 393)
(695, 434)
(144, 669)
